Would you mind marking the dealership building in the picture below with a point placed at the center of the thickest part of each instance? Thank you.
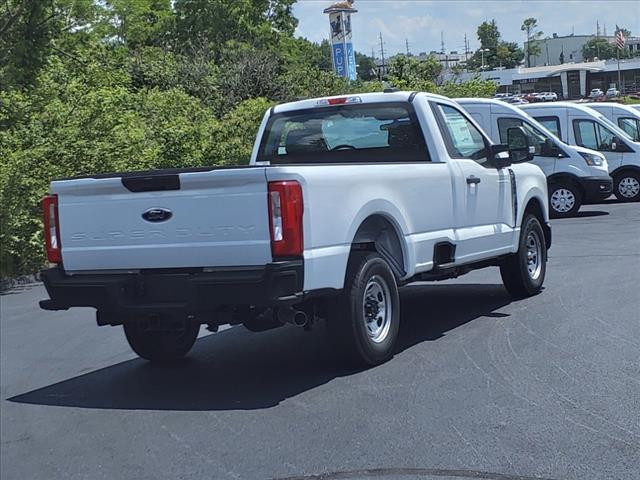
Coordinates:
(568, 80)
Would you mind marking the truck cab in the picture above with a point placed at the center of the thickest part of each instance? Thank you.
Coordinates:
(583, 126)
(625, 117)
(575, 175)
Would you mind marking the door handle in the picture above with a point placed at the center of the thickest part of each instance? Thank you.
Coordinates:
(472, 180)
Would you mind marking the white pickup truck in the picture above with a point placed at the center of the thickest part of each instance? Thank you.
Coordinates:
(345, 200)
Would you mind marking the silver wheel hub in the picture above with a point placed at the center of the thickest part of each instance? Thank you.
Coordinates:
(377, 308)
(629, 187)
(562, 200)
(534, 255)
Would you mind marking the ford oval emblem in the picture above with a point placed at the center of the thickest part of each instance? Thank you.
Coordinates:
(157, 215)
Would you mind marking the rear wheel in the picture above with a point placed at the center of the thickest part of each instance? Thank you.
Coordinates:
(523, 272)
(565, 199)
(627, 187)
(161, 346)
(365, 319)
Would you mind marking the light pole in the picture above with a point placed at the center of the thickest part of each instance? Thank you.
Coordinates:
(482, 50)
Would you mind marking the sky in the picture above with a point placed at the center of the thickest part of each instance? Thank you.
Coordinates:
(422, 21)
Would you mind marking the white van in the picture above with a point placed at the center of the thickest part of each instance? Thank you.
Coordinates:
(625, 117)
(575, 175)
(581, 125)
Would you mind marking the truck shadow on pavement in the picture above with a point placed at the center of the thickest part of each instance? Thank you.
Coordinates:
(239, 370)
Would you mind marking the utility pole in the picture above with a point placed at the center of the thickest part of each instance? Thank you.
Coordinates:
(406, 41)
(383, 70)
(441, 41)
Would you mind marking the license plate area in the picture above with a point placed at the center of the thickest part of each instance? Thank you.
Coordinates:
(158, 290)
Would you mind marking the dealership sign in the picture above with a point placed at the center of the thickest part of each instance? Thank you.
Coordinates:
(342, 53)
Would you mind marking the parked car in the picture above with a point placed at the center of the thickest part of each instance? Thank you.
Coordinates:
(345, 199)
(584, 126)
(612, 92)
(548, 96)
(626, 117)
(517, 101)
(596, 93)
(533, 97)
(501, 96)
(575, 175)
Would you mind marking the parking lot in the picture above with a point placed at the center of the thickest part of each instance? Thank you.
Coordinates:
(481, 387)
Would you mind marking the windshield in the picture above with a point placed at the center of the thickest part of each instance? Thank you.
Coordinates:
(344, 134)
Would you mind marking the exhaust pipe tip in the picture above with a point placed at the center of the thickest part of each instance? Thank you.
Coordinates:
(300, 318)
(292, 317)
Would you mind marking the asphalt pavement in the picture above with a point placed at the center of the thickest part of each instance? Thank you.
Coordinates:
(481, 387)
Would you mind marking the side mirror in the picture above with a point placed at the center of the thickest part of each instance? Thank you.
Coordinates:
(549, 148)
(499, 156)
(615, 141)
(519, 148)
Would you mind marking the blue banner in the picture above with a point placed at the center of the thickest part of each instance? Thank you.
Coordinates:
(339, 63)
(351, 62)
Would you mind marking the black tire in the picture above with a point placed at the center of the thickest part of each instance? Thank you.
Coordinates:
(565, 199)
(367, 274)
(519, 280)
(626, 186)
(161, 346)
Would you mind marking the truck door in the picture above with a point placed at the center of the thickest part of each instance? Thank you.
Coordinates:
(484, 227)
(591, 134)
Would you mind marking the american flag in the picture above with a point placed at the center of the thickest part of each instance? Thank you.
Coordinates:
(620, 41)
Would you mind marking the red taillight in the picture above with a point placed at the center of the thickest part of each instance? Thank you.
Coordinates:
(51, 228)
(338, 101)
(285, 218)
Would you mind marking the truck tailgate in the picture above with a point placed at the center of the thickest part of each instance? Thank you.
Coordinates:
(212, 218)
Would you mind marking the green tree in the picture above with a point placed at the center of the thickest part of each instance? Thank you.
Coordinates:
(530, 27)
(494, 52)
(404, 71)
(366, 67)
(598, 47)
(26, 30)
(137, 23)
(489, 35)
(213, 23)
(508, 55)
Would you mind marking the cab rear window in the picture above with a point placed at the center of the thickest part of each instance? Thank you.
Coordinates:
(386, 132)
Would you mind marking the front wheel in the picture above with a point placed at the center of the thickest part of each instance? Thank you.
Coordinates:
(364, 320)
(523, 272)
(161, 346)
(627, 187)
(564, 200)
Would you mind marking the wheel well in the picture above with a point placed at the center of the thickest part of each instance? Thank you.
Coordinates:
(535, 208)
(625, 168)
(378, 234)
(565, 177)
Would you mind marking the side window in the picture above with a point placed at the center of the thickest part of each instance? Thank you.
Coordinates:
(605, 137)
(585, 132)
(463, 139)
(536, 137)
(592, 135)
(631, 127)
(552, 124)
